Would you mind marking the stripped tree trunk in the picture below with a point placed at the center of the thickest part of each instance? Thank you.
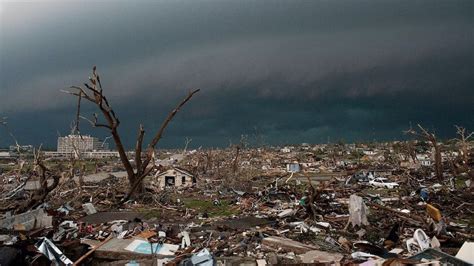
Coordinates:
(93, 93)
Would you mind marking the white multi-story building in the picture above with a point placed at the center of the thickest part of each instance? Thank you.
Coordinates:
(79, 143)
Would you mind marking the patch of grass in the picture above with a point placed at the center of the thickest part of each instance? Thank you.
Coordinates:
(150, 213)
(207, 206)
(90, 167)
(471, 221)
(461, 182)
(6, 168)
(373, 236)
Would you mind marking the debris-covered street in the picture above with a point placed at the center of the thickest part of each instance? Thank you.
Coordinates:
(334, 204)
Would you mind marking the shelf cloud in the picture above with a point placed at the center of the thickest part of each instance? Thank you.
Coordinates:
(311, 70)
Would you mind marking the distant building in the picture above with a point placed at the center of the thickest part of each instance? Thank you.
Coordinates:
(293, 167)
(4, 154)
(305, 146)
(21, 148)
(79, 143)
(369, 152)
(175, 177)
(424, 159)
(87, 155)
(425, 162)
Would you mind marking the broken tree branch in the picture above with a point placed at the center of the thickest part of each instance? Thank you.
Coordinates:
(94, 94)
(138, 148)
(151, 146)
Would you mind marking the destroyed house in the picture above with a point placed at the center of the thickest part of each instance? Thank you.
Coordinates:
(293, 167)
(175, 177)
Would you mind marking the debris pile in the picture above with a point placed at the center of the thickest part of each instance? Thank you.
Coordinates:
(257, 212)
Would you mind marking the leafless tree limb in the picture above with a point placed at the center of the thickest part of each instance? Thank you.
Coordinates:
(40, 195)
(151, 146)
(94, 93)
(186, 143)
(431, 138)
(138, 147)
(143, 171)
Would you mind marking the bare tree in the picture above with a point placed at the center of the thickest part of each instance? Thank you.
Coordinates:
(208, 165)
(235, 161)
(463, 141)
(39, 195)
(186, 143)
(45, 174)
(461, 164)
(21, 162)
(93, 92)
(431, 138)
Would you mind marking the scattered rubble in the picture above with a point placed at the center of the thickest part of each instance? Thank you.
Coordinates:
(327, 209)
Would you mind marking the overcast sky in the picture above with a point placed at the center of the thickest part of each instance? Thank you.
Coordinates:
(287, 71)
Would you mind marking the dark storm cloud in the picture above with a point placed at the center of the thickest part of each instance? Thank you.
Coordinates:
(291, 70)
